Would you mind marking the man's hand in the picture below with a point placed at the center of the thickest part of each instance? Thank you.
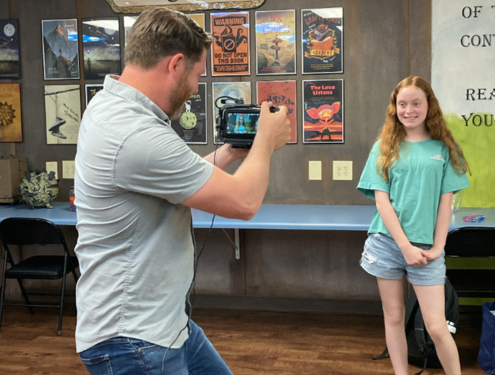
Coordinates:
(273, 127)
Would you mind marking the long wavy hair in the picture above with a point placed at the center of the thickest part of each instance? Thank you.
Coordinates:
(393, 132)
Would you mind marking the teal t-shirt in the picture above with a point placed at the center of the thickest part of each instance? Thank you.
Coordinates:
(422, 173)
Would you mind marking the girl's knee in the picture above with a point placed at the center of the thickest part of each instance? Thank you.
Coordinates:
(438, 331)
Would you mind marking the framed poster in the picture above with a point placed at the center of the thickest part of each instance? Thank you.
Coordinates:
(10, 66)
(191, 125)
(60, 49)
(10, 112)
(323, 111)
(101, 47)
(128, 22)
(322, 40)
(276, 42)
(92, 90)
(200, 19)
(230, 48)
(280, 93)
(62, 113)
(237, 90)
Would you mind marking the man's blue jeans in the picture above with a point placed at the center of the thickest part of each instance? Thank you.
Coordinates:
(128, 356)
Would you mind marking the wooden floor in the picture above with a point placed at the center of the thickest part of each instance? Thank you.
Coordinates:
(251, 342)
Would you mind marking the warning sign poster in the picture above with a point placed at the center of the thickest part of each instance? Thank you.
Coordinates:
(230, 48)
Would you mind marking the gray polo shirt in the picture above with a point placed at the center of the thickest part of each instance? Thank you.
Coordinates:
(135, 245)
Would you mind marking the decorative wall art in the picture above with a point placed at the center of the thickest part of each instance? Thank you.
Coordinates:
(137, 6)
(280, 93)
(128, 22)
(92, 90)
(10, 112)
(63, 113)
(101, 47)
(276, 42)
(191, 125)
(237, 90)
(60, 49)
(10, 66)
(323, 111)
(322, 40)
(200, 19)
(230, 48)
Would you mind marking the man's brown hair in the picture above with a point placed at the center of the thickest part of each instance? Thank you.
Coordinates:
(160, 32)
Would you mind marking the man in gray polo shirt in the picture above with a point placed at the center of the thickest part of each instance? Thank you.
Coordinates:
(135, 183)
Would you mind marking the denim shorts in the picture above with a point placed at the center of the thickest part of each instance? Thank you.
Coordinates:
(128, 356)
(383, 258)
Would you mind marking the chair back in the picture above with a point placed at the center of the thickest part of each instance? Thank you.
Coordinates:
(473, 242)
(30, 231)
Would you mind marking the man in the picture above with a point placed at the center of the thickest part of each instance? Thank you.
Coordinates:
(135, 183)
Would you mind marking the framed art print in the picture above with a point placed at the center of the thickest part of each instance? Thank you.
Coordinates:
(322, 40)
(323, 111)
(236, 90)
(62, 113)
(92, 90)
(191, 125)
(10, 66)
(280, 93)
(276, 42)
(60, 49)
(10, 112)
(101, 47)
(230, 47)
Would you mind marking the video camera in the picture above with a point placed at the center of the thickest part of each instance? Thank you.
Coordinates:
(237, 122)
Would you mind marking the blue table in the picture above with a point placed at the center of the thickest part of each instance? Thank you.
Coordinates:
(270, 216)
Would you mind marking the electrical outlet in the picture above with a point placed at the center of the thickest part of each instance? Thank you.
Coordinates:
(52, 166)
(315, 169)
(342, 170)
(68, 169)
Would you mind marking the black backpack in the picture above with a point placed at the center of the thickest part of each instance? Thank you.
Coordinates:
(420, 348)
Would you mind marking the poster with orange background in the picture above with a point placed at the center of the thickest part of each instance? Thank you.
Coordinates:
(230, 48)
(281, 93)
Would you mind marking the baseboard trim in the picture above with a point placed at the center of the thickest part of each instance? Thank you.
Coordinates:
(357, 307)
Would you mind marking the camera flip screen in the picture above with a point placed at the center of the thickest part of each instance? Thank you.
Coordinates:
(239, 123)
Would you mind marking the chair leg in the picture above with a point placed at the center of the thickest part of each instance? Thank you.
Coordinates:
(62, 297)
(2, 293)
(24, 294)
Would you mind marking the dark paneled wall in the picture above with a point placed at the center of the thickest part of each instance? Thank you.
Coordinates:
(384, 41)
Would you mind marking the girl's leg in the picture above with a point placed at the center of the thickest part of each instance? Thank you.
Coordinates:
(392, 296)
(432, 302)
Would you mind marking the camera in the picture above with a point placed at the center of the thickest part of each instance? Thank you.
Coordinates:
(237, 122)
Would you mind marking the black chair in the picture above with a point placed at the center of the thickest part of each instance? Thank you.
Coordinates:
(472, 242)
(26, 231)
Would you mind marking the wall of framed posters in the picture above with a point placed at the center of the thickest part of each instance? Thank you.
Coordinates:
(362, 48)
(277, 51)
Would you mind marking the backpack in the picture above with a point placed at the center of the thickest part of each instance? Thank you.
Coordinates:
(420, 348)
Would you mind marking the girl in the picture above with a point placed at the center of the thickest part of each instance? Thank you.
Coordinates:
(412, 172)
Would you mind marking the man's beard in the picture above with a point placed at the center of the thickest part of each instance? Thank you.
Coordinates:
(179, 96)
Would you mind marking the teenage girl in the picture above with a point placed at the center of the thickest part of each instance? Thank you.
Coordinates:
(412, 172)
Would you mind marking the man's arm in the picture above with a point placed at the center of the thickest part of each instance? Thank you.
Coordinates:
(225, 155)
(240, 195)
